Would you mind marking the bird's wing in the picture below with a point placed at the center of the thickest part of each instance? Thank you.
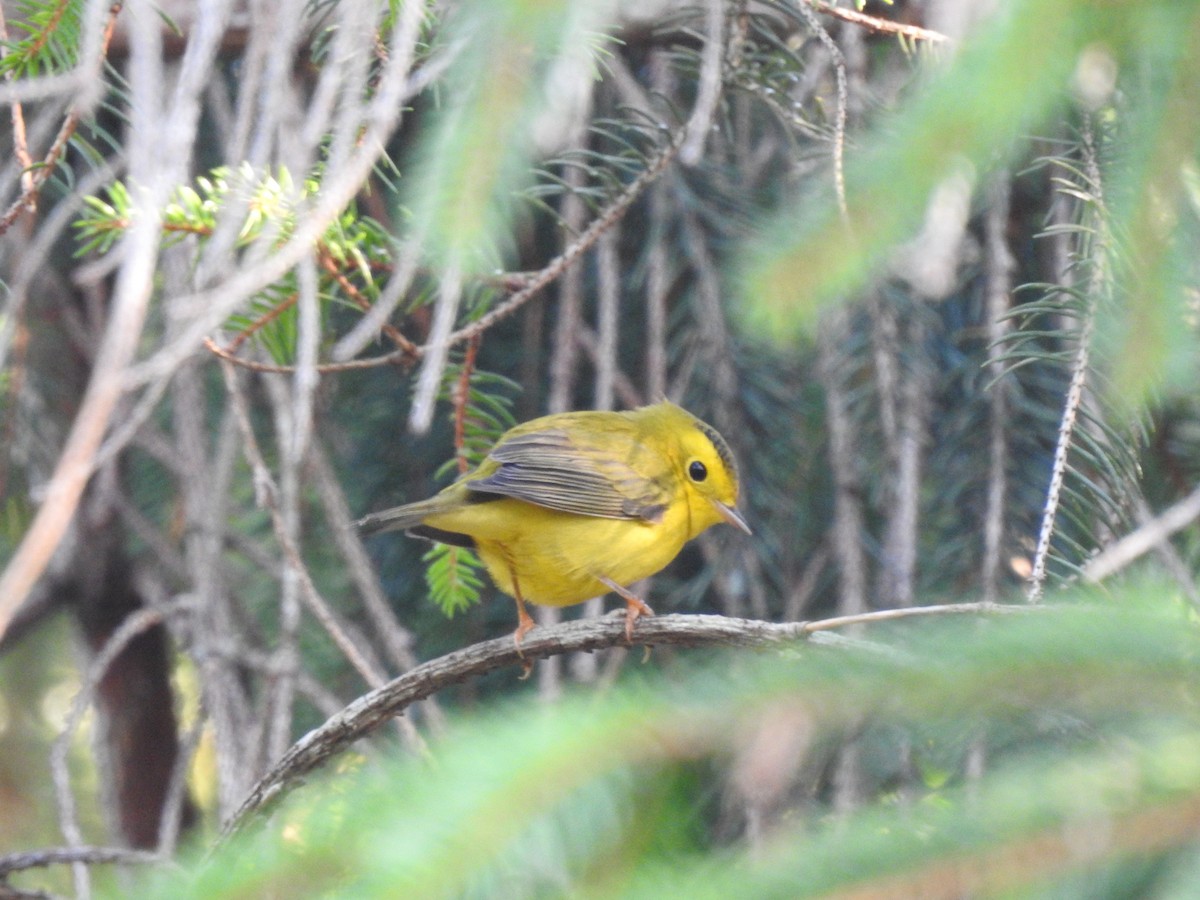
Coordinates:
(581, 474)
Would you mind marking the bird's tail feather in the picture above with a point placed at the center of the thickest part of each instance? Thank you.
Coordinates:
(398, 518)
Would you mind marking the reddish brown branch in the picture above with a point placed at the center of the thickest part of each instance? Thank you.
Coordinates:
(613, 214)
(43, 37)
(877, 24)
(20, 139)
(274, 368)
(534, 282)
(329, 264)
(262, 322)
(37, 177)
(531, 283)
(462, 396)
(184, 227)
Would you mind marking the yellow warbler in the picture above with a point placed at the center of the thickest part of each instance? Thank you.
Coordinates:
(574, 505)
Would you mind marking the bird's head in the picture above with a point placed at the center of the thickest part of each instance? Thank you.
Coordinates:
(706, 468)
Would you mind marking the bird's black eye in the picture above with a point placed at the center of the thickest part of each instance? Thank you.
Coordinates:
(697, 471)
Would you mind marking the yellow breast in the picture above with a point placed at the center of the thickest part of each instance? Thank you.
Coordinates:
(556, 556)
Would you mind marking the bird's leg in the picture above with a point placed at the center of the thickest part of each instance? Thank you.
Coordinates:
(524, 624)
(524, 621)
(634, 607)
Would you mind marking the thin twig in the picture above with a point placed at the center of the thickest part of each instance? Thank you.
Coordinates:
(33, 180)
(20, 139)
(175, 797)
(58, 856)
(244, 334)
(205, 487)
(563, 357)
(847, 504)
(267, 494)
(658, 260)
(534, 283)
(584, 666)
(622, 383)
(329, 264)
(134, 625)
(396, 640)
(461, 400)
(708, 91)
(437, 350)
(1080, 369)
(898, 563)
(657, 284)
(279, 694)
(804, 588)
(839, 116)
(716, 346)
(608, 305)
(166, 554)
(877, 24)
(1144, 538)
(998, 266)
(602, 223)
(254, 365)
(206, 310)
(1170, 557)
(404, 269)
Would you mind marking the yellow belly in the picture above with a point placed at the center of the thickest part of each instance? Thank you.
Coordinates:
(556, 556)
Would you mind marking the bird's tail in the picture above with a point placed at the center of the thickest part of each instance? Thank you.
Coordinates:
(399, 518)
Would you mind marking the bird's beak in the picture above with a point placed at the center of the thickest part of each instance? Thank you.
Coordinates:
(732, 516)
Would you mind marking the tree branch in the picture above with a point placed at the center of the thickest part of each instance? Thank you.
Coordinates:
(56, 856)
(874, 23)
(371, 710)
(1145, 538)
(32, 180)
(1080, 367)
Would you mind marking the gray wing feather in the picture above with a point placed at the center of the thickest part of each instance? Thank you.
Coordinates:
(548, 469)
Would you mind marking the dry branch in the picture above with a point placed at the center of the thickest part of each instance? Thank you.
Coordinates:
(57, 856)
(374, 709)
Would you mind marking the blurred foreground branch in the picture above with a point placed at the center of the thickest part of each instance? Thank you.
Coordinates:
(55, 856)
(1149, 535)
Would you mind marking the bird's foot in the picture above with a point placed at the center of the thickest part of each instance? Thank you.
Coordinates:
(634, 607)
(634, 610)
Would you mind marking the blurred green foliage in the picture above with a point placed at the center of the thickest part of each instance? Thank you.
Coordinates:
(477, 153)
(43, 39)
(1032, 61)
